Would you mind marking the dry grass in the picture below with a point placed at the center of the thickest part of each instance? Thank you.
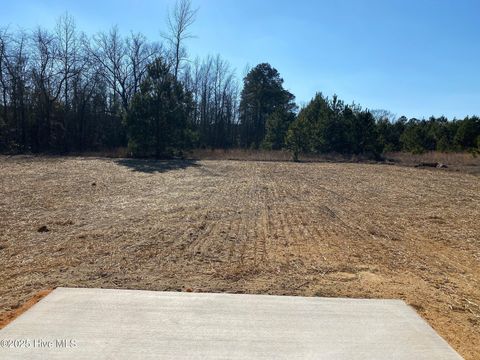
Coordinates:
(270, 155)
(240, 154)
(463, 162)
(116, 153)
(313, 229)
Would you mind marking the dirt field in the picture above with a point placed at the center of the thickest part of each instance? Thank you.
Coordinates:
(343, 230)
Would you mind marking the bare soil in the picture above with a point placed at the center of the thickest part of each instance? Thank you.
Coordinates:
(312, 229)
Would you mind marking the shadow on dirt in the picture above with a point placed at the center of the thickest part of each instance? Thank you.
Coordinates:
(156, 166)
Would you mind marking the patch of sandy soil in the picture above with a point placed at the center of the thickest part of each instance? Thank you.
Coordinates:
(8, 316)
(310, 229)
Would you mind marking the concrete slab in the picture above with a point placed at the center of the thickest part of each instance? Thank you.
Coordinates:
(131, 324)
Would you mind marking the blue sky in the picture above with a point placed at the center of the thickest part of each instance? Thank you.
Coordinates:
(412, 57)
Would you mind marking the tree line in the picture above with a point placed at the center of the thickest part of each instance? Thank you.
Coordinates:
(329, 125)
(62, 91)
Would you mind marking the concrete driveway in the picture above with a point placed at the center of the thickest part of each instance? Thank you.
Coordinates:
(132, 324)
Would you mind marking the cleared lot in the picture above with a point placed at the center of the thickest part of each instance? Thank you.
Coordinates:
(342, 230)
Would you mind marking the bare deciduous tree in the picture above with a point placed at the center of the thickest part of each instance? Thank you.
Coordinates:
(69, 58)
(381, 114)
(179, 20)
(4, 40)
(215, 92)
(140, 53)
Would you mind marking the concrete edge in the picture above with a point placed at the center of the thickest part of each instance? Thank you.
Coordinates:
(187, 293)
(59, 290)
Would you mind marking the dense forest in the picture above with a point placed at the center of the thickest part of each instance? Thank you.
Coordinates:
(62, 91)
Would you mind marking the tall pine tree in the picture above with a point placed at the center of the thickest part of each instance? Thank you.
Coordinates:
(262, 94)
(157, 120)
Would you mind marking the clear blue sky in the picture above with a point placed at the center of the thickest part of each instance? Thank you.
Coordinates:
(412, 57)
